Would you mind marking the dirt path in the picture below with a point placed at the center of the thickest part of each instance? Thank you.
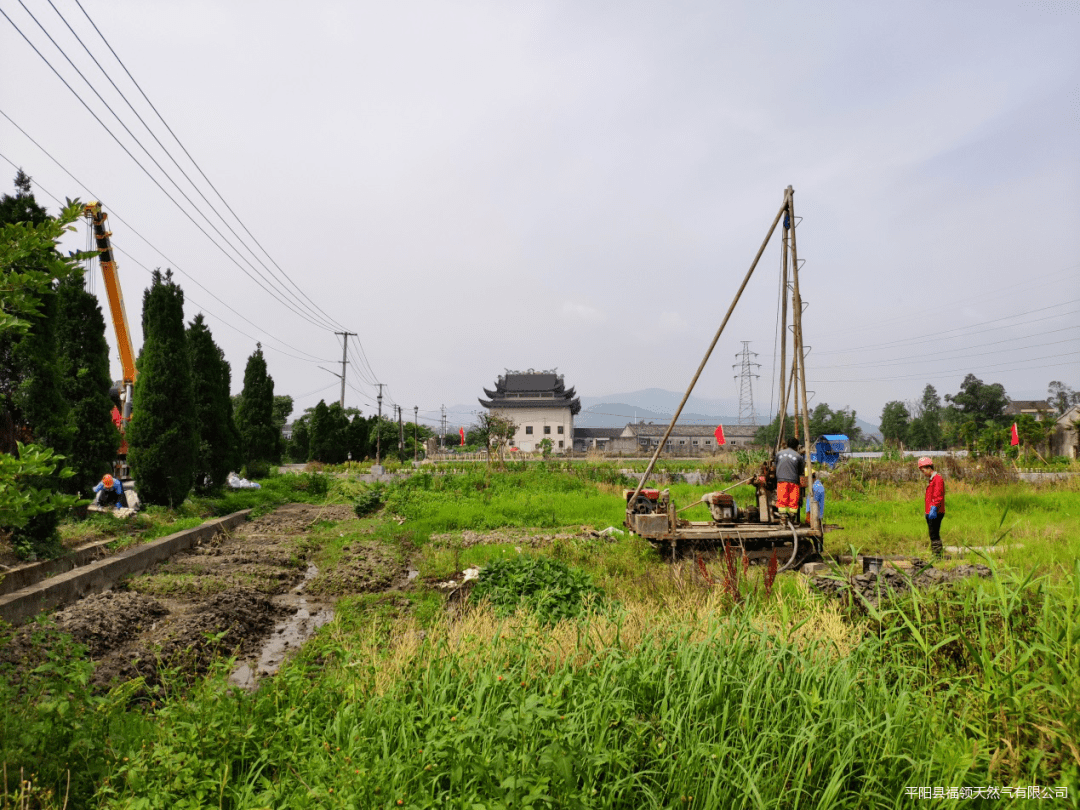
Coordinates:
(245, 593)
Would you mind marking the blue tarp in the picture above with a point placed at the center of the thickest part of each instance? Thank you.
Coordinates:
(828, 448)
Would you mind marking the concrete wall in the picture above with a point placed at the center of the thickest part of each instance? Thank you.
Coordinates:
(17, 607)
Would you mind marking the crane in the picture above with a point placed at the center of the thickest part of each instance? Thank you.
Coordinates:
(97, 218)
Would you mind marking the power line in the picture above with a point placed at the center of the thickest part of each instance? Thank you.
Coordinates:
(900, 361)
(310, 357)
(313, 309)
(928, 338)
(153, 179)
(968, 370)
(193, 161)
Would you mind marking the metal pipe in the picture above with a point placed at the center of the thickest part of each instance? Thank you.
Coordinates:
(705, 359)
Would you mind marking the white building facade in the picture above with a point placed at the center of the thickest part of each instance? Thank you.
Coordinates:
(539, 404)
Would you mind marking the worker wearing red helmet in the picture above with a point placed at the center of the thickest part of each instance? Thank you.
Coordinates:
(110, 492)
(935, 503)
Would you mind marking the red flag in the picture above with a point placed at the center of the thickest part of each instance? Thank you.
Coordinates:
(462, 432)
(719, 434)
(1015, 436)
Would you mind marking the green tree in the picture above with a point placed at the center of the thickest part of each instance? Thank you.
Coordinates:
(925, 430)
(329, 433)
(895, 420)
(356, 437)
(84, 362)
(30, 474)
(22, 207)
(298, 448)
(495, 431)
(978, 401)
(163, 438)
(211, 379)
(1062, 397)
(283, 406)
(259, 439)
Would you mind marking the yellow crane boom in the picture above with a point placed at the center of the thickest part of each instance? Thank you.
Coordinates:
(102, 234)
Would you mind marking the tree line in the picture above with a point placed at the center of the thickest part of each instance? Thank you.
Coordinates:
(973, 418)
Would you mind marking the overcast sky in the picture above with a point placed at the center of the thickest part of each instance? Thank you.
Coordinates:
(474, 186)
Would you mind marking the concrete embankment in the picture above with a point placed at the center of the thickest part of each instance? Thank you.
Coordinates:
(19, 606)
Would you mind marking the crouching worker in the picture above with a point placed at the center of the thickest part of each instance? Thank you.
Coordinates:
(110, 492)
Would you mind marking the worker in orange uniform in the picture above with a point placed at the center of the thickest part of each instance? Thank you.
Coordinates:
(790, 467)
(935, 503)
(110, 492)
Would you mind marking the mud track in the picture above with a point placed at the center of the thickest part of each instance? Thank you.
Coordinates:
(253, 593)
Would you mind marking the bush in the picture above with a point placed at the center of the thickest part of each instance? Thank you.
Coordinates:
(369, 501)
(550, 589)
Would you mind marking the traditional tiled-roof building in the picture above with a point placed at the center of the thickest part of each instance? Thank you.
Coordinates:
(689, 439)
(540, 405)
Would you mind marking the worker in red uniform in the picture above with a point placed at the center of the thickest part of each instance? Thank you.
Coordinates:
(790, 468)
(935, 503)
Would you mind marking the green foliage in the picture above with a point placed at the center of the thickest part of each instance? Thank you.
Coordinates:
(84, 356)
(329, 433)
(33, 407)
(370, 501)
(260, 440)
(219, 440)
(162, 436)
(895, 420)
(978, 402)
(549, 589)
(925, 430)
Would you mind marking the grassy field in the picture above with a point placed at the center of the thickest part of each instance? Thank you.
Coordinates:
(662, 691)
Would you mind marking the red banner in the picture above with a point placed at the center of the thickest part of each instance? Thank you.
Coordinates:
(1015, 436)
(462, 432)
(719, 434)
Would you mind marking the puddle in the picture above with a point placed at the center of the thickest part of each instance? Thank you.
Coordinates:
(287, 636)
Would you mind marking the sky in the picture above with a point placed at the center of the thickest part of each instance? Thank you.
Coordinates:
(471, 187)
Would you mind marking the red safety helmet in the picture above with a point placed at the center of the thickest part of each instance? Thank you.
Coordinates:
(925, 462)
(107, 480)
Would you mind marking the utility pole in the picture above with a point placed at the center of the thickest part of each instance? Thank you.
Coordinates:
(344, 360)
(442, 432)
(378, 430)
(415, 429)
(746, 384)
(401, 432)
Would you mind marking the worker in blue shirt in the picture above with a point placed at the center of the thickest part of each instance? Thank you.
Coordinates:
(110, 492)
(817, 492)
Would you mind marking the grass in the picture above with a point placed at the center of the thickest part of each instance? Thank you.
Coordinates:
(679, 693)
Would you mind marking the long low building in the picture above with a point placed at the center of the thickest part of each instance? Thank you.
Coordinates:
(643, 437)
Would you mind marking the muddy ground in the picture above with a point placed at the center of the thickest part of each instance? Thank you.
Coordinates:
(253, 592)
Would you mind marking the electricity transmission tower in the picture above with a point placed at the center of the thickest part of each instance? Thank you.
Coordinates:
(746, 379)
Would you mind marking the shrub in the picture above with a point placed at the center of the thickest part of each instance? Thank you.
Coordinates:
(369, 501)
(550, 589)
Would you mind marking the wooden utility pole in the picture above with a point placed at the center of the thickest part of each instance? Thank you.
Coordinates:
(415, 428)
(344, 360)
(401, 432)
(378, 429)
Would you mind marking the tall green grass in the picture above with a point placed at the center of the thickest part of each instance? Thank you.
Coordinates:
(637, 711)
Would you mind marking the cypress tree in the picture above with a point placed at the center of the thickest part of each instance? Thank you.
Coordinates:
(259, 439)
(162, 435)
(84, 363)
(211, 377)
(33, 408)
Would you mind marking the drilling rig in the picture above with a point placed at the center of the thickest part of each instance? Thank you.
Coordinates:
(757, 527)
